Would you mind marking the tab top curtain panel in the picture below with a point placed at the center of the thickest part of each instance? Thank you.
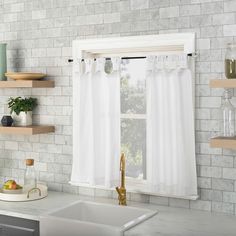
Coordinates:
(171, 167)
(96, 124)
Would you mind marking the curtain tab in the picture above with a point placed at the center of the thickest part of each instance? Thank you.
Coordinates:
(88, 65)
(82, 67)
(151, 61)
(116, 63)
(171, 61)
(99, 64)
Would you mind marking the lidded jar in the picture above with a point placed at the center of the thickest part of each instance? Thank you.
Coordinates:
(227, 116)
(230, 61)
(30, 180)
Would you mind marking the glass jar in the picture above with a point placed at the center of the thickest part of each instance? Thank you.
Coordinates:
(227, 115)
(230, 61)
(30, 180)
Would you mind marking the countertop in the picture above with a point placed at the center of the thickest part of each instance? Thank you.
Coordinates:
(168, 222)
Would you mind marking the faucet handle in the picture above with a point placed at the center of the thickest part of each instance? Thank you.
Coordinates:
(122, 196)
(118, 191)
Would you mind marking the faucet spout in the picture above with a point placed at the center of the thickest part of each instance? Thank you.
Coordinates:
(121, 190)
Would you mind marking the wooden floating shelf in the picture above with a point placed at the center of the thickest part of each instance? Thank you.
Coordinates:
(27, 130)
(27, 84)
(223, 142)
(223, 83)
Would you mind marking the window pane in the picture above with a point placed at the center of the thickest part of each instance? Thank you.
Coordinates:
(133, 144)
(133, 86)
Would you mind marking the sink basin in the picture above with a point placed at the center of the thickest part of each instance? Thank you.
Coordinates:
(92, 219)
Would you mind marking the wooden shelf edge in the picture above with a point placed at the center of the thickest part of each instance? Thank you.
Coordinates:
(27, 84)
(223, 83)
(43, 129)
(223, 142)
(27, 130)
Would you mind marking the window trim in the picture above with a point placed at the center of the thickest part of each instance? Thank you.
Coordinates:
(134, 45)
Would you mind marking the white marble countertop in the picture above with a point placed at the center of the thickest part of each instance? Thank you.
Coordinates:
(168, 222)
(33, 209)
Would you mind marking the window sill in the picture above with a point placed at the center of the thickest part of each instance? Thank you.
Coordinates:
(141, 187)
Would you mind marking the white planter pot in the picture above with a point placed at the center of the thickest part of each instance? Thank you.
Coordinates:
(23, 119)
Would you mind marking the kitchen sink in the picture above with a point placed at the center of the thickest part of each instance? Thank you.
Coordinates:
(92, 219)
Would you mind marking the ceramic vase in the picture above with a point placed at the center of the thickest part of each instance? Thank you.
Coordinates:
(7, 121)
(3, 61)
(23, 119)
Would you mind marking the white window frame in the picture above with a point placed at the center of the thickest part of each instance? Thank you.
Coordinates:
(136, 46)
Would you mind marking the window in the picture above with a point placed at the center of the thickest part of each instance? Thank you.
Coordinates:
(133, 117)
(156, 173)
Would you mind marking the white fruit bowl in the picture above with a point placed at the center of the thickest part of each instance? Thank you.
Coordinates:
(35, 194)
(12, 191)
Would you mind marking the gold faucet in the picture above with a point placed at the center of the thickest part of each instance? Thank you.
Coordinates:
(121, 190)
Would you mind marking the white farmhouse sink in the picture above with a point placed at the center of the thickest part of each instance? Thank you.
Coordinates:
(84, 218)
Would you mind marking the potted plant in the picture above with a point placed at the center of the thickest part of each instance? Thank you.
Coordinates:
(21, 110)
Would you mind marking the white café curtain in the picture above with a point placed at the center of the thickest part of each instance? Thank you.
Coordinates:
(96, 123)
(171, 167)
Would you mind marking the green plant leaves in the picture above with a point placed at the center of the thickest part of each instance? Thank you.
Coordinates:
(19, 104)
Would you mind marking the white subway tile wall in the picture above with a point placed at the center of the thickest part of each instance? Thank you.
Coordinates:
(39, 35)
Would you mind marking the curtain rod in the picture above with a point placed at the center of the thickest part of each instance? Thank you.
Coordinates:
(108, 58)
